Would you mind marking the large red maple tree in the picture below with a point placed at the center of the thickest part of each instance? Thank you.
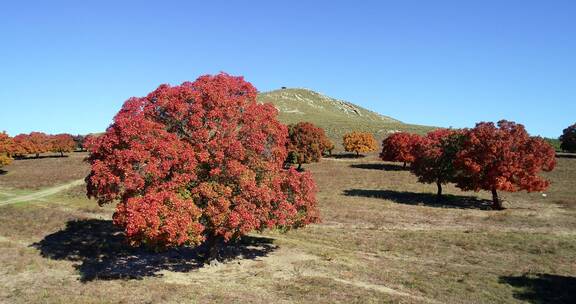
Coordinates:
(503, 157)
(199, 162)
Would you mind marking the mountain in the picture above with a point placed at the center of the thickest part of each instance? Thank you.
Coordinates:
(335, 116)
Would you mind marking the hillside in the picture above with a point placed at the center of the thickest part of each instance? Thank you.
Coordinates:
(337, 117)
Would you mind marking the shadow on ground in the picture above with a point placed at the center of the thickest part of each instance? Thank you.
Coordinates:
(427, 199)
(379, 166)
(99, 248)
(31, 157)
(543, 288)
(566, 155)
(2, 172)
(345, 155)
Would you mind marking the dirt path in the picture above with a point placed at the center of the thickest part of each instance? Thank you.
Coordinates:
(41, 193)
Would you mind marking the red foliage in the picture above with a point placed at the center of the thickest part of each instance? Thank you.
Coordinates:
(196, 162)
(62, 143)
(503, 157)
(434, 157)
(33, 143)
(399, 147)
(306, 142)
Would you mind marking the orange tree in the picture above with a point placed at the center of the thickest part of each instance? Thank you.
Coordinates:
(198, 163)
(306, 143)
(503, 157)
(359, 142)
(62, 143)
(328, 146)
(6, 146)
(33, 143)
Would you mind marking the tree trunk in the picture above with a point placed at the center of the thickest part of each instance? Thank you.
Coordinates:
(37, 155)
(357, 153)
(496, 202)
(404, 165)
(61, 154)
(299, 166)
(439, 193)
(213, 245)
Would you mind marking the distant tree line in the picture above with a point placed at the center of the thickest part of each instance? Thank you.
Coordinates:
(36, 143)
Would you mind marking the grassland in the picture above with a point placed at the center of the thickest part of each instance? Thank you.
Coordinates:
(336, 117)
(383, 239)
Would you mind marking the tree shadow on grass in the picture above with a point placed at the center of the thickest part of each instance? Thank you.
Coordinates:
(32, 157)
(345, 156)
(427, 199)
(379, 166)
(566, 155)
(99, 248)
(2, 172)
(543, 288)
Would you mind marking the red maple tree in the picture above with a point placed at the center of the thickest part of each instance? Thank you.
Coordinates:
(399, 147)
(433, 157)
(306, 143)
(62, 143)
(503, 157)
(200, 162)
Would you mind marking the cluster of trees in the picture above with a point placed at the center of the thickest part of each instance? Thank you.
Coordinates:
(201, 163)
(568, 139)
(502, 157)
(34, 143)
(307, 143)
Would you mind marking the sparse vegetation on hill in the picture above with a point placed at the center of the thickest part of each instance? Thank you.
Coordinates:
(335, 116)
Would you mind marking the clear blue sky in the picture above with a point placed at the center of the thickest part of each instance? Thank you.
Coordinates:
(69, 66)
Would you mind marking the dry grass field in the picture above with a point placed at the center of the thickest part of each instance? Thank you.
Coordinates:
(383, 240)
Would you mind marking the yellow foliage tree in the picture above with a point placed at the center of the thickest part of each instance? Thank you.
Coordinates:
(359, 142)
(5, 148)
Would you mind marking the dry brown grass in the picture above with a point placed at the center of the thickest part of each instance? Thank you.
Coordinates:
(49, 170)
(383, 240)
